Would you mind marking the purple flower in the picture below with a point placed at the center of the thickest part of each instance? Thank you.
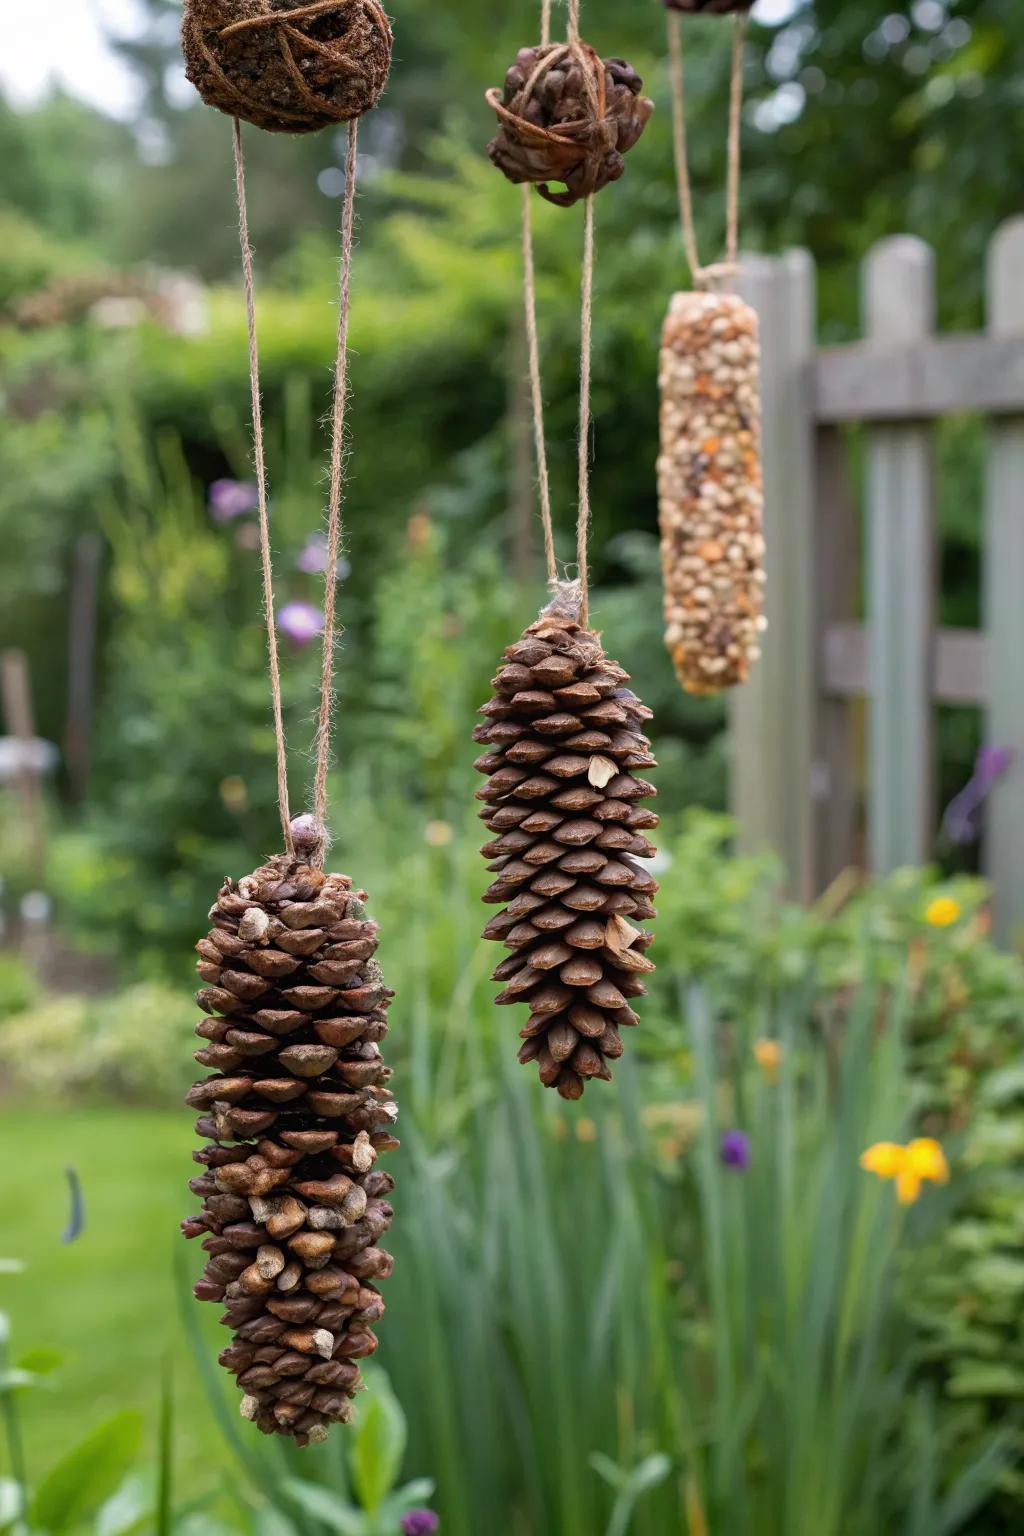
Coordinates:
(735, 1150)
(312, 558)
(962, 820)
(301, 622)
(420, 1522)
(230, 499)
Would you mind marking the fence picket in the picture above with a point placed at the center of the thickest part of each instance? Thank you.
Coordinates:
(899, 305)
(773, 715)
(1004, 593)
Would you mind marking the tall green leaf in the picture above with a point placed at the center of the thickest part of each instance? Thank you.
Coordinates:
(88, 1474)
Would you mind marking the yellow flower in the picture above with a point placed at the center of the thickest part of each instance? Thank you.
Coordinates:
(908, 1186)
(586, 1130)
(942, 912)
(928, 1160)
(768, 1055)
(885, 1158)
(922, 1160)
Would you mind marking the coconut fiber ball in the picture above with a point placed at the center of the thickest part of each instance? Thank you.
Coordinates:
(288, 67)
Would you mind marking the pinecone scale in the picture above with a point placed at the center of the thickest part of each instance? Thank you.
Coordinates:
(295, 1112)
(565, 745)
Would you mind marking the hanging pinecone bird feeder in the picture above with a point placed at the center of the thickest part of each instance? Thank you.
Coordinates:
(295, 1112)
(564, 736)
(567, 115)
(288, 67)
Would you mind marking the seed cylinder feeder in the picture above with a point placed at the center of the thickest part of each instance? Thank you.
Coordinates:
(711, 493)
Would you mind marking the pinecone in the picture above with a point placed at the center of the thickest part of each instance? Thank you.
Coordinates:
(708, 7)
(567, 116)
(563, 734)
(296, 1112)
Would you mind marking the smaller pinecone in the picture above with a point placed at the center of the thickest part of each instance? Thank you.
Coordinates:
(564, 736)
(567, 115)
(285, 72)
(708, 7)
(295, 1111)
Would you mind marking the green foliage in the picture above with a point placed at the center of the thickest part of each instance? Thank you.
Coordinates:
(373, 1504)
(18, 986)
(87, 1475)
(134, 1047)
(94, 1484)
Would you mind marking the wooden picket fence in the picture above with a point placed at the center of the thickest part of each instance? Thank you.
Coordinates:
(794, 727)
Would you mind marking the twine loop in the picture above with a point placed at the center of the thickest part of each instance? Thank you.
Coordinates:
(721, 272)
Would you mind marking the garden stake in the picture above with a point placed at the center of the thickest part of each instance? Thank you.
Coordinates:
(563, 735)
(297, 1108)
(710, 481)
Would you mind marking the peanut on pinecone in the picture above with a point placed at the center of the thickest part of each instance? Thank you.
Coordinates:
(295, 1114)
(564, 737)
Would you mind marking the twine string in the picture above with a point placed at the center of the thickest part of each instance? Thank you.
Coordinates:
(337, 491)
(536, 387)
(259, 457)
(739, 38)
(335, 500)
(595, 90)
(288, 17)
(579, 51)
(574, 46)
(586, 368)
(704, 277)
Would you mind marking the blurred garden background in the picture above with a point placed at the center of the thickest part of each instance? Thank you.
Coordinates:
(682, 1305)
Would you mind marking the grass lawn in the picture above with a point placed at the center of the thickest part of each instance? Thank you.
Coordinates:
(107, 1301)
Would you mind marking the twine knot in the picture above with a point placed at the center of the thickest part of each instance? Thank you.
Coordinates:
(718, 273)
(566, 600)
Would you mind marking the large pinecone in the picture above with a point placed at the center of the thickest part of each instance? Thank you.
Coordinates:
(567, 116)
(564, 735)
(296, 1112)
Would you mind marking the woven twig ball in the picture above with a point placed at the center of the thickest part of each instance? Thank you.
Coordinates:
(288, 67)
(567, 115)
